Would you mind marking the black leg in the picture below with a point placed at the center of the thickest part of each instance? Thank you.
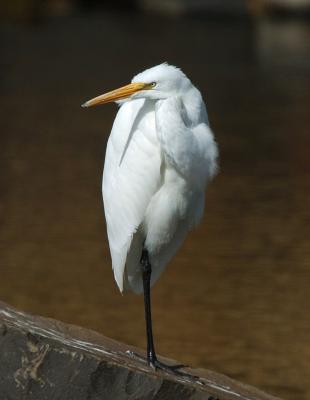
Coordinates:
(146, 276)
(151, 355)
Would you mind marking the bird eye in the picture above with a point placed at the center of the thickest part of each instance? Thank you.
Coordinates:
(153, 84)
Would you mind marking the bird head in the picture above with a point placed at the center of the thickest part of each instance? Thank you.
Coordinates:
(157, 83)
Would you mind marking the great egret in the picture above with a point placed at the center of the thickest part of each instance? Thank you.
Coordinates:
(160, 156)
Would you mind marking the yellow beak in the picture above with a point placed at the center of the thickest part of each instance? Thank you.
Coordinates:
(118, 94)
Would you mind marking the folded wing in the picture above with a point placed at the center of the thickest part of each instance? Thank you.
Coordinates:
(130, 179)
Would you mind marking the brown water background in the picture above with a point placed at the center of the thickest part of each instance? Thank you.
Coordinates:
(236, 297)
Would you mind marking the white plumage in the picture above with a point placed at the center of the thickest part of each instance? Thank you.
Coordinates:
(160, 156)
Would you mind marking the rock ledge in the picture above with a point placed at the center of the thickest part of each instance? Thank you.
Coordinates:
(44, 359)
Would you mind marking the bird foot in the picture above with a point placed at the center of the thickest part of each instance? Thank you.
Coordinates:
(171, 369)
(156, 364)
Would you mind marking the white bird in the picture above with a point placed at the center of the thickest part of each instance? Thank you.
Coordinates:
(160, 156)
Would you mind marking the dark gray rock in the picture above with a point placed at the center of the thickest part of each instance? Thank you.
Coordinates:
(44, 359)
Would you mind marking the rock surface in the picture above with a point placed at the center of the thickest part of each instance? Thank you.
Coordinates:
(44, 359)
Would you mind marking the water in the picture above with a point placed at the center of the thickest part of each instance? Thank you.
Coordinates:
(236, 297)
